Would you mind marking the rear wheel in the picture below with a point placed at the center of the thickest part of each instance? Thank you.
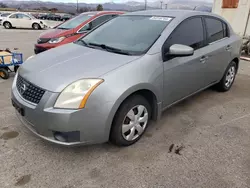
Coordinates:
(4, 74)
(7, 25)
(131, 121)
(36, 26)
(228, 79)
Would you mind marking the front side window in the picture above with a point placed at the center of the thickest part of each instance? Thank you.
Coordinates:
(189, 32)
(74, 22)
(128, 33)
(215, 29)
(13, 16)
(23, 16)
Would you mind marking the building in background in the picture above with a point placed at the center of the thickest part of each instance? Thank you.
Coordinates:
(236, 12)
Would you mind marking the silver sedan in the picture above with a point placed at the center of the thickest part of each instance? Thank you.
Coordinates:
(111, 83)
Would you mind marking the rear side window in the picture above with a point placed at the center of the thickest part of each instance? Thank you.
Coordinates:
(190, 32)
(100, 20)
(96, 22)
(216, 30)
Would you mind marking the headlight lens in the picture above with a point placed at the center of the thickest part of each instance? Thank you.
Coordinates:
(76, 94)
(56, 40)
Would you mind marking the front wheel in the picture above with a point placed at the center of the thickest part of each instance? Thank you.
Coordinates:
(228, 79)
(131, 121)
(36, 26)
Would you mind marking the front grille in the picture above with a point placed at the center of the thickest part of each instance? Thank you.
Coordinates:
(43, 40)
(29, 91)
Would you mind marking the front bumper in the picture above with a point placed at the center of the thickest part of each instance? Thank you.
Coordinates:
(89, 126)
(39, 49)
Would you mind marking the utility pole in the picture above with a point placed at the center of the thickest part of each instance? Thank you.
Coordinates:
(145, 4)
(76, 6)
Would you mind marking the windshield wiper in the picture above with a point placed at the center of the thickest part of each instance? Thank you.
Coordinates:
(110, 48)
(84, 43)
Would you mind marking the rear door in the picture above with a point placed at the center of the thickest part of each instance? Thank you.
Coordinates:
(218, 47)
(185, 75)
(13, 20)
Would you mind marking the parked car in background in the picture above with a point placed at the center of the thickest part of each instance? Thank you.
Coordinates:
(109, 84)
(66, 17)
(2, 16)
(22, 20)
(72, 29)
(54, 17)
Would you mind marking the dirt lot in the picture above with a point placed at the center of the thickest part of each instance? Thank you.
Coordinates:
(213, 128)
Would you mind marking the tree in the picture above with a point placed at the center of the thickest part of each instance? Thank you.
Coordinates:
(2, 5)
(53, 9)
(99, 7)
(84, 9)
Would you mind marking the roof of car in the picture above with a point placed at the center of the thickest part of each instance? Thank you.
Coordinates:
(101, 12)
(170, 13)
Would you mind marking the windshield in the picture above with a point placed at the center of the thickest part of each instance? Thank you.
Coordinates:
(131, 34)
(70, 24)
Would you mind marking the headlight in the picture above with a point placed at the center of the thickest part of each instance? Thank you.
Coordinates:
(56, 40)
(76, 94)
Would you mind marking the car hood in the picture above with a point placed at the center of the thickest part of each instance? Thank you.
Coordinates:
(53, 33)
(54, 69)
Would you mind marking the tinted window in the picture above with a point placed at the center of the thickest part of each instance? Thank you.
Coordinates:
(225, 30)
(190, 33)
(22, 16)
(5, 15)
(13, 16)
(133, 34)
(214, 29)
(74, 22)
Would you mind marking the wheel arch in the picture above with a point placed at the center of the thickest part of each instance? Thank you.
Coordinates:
(146, 90)
(236, 60)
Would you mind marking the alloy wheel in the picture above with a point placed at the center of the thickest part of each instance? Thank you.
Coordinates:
(230, 76)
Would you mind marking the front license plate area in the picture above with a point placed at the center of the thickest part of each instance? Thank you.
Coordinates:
(18, 108)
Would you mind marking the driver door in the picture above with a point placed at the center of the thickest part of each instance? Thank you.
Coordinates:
(24, 21)
(184, 75)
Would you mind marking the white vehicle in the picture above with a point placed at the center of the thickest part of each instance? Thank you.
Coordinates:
(2, 16)
(22, 20)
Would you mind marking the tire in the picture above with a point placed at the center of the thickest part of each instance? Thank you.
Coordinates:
(4, 74)
(16, 67)
(36, 26)
(7, 25)
(124, 131)
(228, 79)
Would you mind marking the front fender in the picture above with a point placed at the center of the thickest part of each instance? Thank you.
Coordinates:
(125, 94)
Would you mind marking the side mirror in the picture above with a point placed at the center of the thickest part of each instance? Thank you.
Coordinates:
(180, 50)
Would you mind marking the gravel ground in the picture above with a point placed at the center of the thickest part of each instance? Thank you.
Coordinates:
(201, 142)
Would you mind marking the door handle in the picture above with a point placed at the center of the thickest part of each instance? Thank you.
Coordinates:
(203, 59)
(228, 48)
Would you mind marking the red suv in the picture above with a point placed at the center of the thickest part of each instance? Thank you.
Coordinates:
(72, 29)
